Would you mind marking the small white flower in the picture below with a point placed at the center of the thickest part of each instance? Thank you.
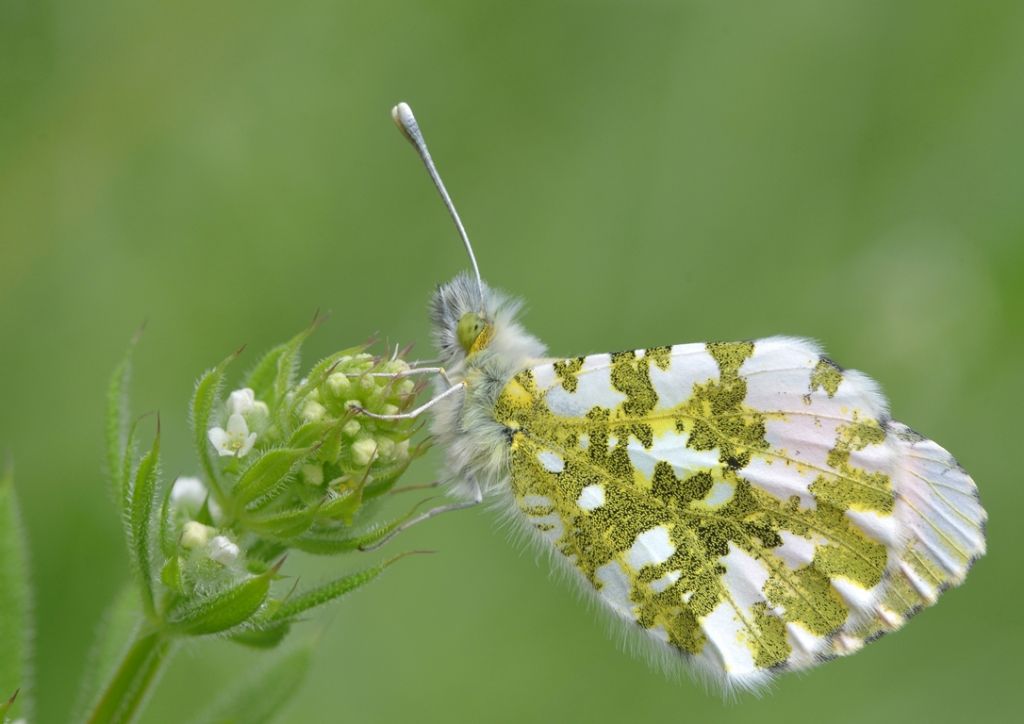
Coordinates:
(244, 402)
(236, 440)
(188, 494)
(223, 550)
(351, 428)
(241, 401)
(195, 535)
(363, 450)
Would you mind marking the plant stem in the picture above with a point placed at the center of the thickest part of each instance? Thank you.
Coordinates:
(138, 670)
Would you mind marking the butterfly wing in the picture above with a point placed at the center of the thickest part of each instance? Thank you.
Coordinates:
(749, 505)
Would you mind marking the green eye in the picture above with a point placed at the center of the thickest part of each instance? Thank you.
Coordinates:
(469, 330)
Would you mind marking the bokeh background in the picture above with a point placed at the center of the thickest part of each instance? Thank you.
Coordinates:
(643, 173)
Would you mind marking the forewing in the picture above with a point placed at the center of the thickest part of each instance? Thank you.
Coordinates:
(749, 504)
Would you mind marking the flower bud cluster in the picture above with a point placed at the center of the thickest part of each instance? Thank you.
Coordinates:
(354, 443)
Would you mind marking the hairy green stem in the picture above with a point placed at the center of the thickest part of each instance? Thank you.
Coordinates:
(138, 670)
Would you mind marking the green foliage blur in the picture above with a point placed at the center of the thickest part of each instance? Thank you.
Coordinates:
(643, 173)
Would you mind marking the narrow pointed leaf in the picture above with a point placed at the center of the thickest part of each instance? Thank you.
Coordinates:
(223, 610)
(117, 416)
(309, 434)
(282, 524)
(124, 491)
(325, 543)
(343, 507)
(275, 372)
(168, 539)
(296, 605)
(259, 697)
(271, 469)
(203, 401)
(15, 601)
(262, 637)
(288, 363)
(143, 502)
(384, 480)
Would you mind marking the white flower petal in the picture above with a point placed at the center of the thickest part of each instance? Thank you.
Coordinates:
(237, 426)
(219, 438)
(246, 445)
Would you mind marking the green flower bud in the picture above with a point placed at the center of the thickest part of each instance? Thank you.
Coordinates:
(363, 450)
(313, 474)
(313, 411)
(195, 535)
(339, 384)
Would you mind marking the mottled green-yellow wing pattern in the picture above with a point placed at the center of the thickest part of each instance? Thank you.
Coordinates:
(750, 505)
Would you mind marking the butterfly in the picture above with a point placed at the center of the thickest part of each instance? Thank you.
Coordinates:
(746, 508)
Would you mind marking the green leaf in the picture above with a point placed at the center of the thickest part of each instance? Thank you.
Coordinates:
(330, 542)
(119, 622)
(223, 610)
(170, 574)
(143, 501)
(15, 598)
(343, 507)
(267, 472)
(265, 551)
(117, 415)
(124, 491)
(275, 372)
(282, 524)
(385, 478)
(262, 637)
(294, 606)
(203, 400)
(309, 434)
(126, 691)
(258, 697)
(168, 540)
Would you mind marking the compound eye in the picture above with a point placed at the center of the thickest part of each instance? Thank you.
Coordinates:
(469, 330)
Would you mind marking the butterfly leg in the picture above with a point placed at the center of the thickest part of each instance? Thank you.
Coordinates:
(439, 371)
(476, 498)
(419, 410)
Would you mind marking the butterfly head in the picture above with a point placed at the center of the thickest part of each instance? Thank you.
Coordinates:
(466, 324)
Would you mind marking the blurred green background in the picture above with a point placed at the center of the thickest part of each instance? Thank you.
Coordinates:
(642, 173)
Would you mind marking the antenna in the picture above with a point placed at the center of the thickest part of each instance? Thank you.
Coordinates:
(407, 124)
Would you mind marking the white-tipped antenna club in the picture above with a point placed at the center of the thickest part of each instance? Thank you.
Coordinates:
(407, 124)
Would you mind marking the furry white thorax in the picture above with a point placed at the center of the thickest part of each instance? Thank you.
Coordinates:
(476, 445)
